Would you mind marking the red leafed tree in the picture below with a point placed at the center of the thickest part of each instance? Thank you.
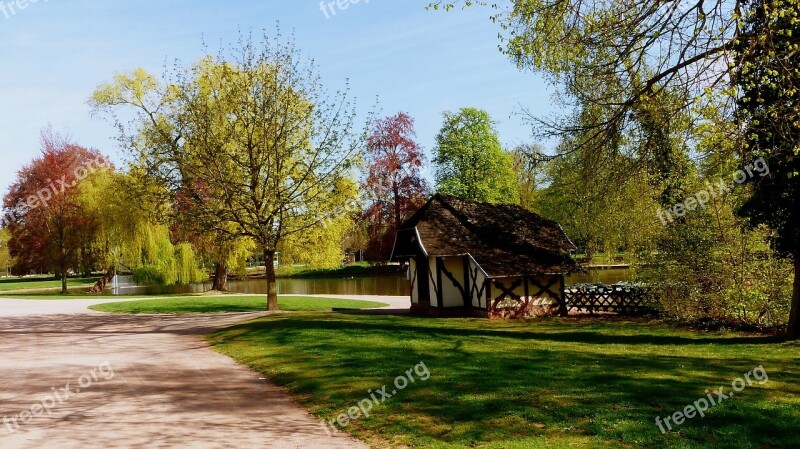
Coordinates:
(394, 184)
(49, 229)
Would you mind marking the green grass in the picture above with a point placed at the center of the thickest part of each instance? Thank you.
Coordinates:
(556, 383)
(230, 303)
(32, 283)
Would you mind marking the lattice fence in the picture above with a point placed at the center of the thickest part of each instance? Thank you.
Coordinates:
(621, 299)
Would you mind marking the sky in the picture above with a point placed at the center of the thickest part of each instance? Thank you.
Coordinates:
(393, 53)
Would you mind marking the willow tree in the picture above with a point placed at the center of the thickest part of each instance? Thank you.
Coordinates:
(131, 232)
(249, 135)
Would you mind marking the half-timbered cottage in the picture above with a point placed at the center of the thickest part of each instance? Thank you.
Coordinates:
(472, 258)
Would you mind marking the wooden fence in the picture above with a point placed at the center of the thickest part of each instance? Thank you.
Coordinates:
(621, 299)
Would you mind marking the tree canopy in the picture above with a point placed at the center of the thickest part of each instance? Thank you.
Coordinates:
(470, 161)
(249, 136)
(50, 231)
(394, 185)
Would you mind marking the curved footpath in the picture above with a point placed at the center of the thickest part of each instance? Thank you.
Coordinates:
(73, 378)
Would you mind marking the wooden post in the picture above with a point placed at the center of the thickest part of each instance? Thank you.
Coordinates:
(563, 311)
(488, 292)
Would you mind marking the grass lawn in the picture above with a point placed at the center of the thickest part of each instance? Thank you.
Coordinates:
(556, 383)
(31, 283)
(230, 303)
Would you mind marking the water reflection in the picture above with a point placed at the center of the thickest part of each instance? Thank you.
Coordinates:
(376, 285)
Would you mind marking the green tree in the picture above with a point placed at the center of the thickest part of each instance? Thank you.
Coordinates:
(769, 81)
(5, 257)
(328, 239)
(728, 53)
(131, 232)
(470, 162)
(529, 165)
(249, 135)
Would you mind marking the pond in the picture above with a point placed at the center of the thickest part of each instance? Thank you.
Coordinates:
(372, 285)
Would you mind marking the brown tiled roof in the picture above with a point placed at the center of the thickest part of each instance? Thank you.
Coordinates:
(504, 239)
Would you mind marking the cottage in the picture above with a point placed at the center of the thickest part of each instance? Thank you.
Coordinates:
(481, 259)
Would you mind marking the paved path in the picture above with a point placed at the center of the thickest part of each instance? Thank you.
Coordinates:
(144, 381)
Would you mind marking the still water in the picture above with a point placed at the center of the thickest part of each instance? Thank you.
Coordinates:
(374, 285)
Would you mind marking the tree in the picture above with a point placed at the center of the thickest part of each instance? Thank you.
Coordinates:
(225, 252)
(394, 185)
(633, 49)
(131, 232)
(328, 238)
(715, 52)
(48, 226)
(529, 161)
(769, 81)
(470, 162)
(5, 257)
(250, 135)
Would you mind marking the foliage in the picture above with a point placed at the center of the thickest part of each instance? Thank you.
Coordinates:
(128, 234)
(394, 186)
(5, 257)
(634, 50)
(711, 268)
(712, 265)
(148, 275)
(529, 161)
(736, 56)
(470, 162)
(248, 135)
(600, 210)
(769, 81)
(150, 254)
(50, 231)
(322, 246)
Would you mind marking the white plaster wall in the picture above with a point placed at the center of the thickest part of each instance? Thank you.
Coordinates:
(451, 296)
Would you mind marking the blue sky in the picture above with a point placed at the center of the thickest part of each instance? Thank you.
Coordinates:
(55, 52)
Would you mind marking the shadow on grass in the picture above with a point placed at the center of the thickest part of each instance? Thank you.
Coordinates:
(500, 382)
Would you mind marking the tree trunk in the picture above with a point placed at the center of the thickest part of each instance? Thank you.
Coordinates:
(220, 277)
(103, 281)
(272, 285)
(794, 313)
(396, 206)
(64, 290)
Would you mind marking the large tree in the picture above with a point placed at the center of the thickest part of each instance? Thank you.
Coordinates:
(693, 50)
(46, 220)
(769, 79)
(394, 183)
(470, 161)
(250, 134)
